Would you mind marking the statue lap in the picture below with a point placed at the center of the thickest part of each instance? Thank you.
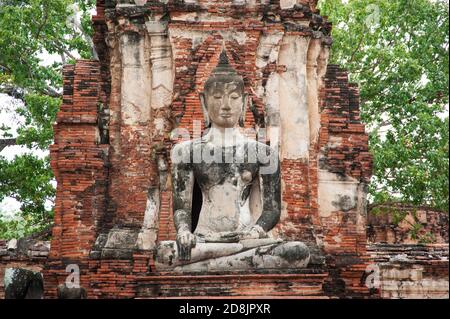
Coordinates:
(252, 254)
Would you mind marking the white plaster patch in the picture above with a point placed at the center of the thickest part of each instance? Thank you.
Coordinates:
(337, 238)
(268, 49)
(284, 212)
(149, 233)
(273, 110)
(136, 78)
(287, 4)
(156, 26)
(161, 96)
(247, 2)
(9, 276)
(334, 141)
(332, 190)
(197, 37)
(200, 16)
(135, 98)
(255, 201)
(159, 124)
(313, 88)
(239, 37)
(12, 244)
(293, 98)
(187, 17)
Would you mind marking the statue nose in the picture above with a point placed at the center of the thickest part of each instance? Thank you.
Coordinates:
(226, 104)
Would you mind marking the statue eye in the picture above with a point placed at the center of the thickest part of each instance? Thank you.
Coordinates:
(217, 97)
(235, 96)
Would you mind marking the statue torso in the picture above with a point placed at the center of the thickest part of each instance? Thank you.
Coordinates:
(226, 176)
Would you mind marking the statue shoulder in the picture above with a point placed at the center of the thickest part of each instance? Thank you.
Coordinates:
(261, 147)
(188, 146)
(181, 153)
(182, 146)
(266, 156)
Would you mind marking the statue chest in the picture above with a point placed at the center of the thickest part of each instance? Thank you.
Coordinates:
(210, 175)
(225, 189)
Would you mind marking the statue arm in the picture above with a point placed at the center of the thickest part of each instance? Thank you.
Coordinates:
(182, 185)
(271, 191)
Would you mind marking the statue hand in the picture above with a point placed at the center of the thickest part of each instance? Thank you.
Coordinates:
(221, 237)
(256, 232)
(185, 242)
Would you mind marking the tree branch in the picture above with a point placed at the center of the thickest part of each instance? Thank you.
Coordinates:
(7, 142)
(18, 93)
(12, 91)
(41, 26)
(356, 49)
(61, 48)
(51, 92)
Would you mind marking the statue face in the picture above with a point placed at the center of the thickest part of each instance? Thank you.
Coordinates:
(224, 103)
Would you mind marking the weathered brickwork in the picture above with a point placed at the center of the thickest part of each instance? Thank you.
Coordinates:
(410, 271)
(343, 146)
(274, 285)
(124, 154)
(79, 162)
(406, 225)
(343, 140)
(114, 133)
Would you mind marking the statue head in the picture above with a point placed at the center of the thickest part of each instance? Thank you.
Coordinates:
(224, 100)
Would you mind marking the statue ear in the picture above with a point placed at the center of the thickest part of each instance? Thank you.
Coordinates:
(244, 109)
(205, 110)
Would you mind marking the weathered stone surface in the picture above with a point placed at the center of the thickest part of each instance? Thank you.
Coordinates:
(407, 271)
(30, 254)
(280, 257)
(12, 245)
(65, 292)
(23, 284)
(149, 79)
(113, 139)
(416, 226)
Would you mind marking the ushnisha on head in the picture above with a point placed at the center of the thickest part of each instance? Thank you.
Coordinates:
(224, 99)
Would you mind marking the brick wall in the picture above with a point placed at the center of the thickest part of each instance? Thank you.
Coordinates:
(406, 225)
(79, 161)
(105, 170)
(106, 164)
(409, 271)
(343, 145)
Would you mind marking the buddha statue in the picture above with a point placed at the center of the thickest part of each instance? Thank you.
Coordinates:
(239, 179)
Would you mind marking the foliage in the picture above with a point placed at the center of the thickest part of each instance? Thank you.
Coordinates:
(33, 32)
(397, 51)
(28, 179)
(18, 227)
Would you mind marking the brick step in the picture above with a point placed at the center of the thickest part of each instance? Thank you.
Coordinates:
(298, 285)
